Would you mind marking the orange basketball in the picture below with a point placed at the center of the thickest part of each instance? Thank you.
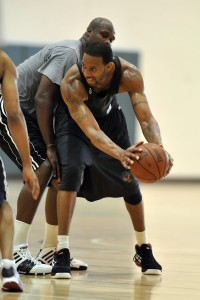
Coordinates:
(152, 164)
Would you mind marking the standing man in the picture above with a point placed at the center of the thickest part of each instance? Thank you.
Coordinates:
(10, 277)
(94, 148)
(39, 90)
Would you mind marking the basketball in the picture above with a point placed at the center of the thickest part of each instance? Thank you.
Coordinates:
(152, 164)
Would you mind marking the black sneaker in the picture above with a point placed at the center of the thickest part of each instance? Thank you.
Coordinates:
(61, 264)
(45, 256)
(144, 258)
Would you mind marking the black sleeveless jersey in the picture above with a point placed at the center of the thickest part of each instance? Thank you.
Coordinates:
(101, 104)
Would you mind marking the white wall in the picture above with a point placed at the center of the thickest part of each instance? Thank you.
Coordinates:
(167, 34)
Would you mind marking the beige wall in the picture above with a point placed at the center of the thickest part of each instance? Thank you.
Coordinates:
(167, 34)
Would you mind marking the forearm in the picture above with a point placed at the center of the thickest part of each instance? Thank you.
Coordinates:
(151, 131)
(105, 144)
(44, 114)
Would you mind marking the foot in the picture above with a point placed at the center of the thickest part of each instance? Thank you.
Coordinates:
(45, 256)
(144, 258)
(61, 264)
(26, 264)
(10, 278)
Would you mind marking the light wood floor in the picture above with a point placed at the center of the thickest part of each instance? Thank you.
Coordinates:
(101, 235)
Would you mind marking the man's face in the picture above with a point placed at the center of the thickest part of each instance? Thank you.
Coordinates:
(94, 70)
(105, 34)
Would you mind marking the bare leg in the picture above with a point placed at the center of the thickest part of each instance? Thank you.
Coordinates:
(51, 206)
(26, 205)
(136, 213)
(65, 207)
(6, 230)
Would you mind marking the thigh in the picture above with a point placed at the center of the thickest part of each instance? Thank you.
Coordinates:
(36, 143)
(74, 156)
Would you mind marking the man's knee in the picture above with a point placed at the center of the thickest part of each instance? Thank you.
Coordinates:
(134, 199)
(71, 177)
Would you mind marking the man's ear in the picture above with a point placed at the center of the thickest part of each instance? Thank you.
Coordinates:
(109, 66)
(89, 30)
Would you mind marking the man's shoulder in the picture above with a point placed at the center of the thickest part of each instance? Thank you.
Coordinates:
(73, 44)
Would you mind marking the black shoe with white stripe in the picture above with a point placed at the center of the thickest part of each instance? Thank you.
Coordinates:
(45, 256)
(61, 264)
(144, 258)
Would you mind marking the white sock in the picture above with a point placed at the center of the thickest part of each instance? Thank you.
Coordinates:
(7, 263)
(50, 236)
(21, 233)
(141, 237)
(63, 242)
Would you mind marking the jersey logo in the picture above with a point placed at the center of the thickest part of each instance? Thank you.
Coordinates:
(90, 91)
(126, 176)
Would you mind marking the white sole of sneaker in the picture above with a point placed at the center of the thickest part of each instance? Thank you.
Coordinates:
(152, 272)
(61, 276)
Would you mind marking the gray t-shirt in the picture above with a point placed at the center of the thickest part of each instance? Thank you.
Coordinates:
(52, 61)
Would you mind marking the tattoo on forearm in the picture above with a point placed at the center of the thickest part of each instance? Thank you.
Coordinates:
(139, 102)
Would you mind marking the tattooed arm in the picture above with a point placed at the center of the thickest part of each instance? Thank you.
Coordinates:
(132, 83)
(74, 95)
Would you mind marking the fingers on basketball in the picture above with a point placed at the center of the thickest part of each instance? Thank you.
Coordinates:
(152, 164)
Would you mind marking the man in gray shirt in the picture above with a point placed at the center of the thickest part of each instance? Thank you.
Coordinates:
(39, 79)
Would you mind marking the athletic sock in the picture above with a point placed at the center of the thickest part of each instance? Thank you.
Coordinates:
(21, 233)
(50, 236)
(140, 237)
(63, 242)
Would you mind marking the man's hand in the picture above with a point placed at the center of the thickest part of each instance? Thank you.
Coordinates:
(171, 163)
(131, 154)
(52, 156)
(31, 181)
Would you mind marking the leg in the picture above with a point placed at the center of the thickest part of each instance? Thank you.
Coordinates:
(26, 205)
(10, 278)
(49, 245)
(144, 257)
(26, 209)
(6, 230)
(65, 206)
(136, 213)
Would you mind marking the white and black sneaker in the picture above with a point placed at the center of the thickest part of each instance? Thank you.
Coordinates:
(144, 258)
(61, 264)
(45, 256)
(26, 264)
(10, 278)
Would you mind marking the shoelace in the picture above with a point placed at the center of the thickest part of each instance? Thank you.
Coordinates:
(26, 254)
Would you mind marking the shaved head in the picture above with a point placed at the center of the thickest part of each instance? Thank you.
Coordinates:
(100, 23)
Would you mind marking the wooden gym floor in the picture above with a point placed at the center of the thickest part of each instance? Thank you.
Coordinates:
(101, 235)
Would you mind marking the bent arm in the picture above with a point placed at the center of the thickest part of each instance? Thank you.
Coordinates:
(148, 123)
(132, 82)
(45, 102)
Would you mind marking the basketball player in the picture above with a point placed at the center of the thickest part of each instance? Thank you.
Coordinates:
(93, 145)
(39, 89)
(9, 275)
